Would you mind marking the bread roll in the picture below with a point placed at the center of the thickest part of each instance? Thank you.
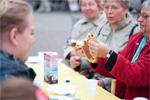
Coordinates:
(79, 45)
(86, 51)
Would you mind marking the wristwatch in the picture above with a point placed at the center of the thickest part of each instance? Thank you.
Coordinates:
(109, 54)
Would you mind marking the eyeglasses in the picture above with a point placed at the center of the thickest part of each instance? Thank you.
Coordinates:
(144, 16)
(113, 8)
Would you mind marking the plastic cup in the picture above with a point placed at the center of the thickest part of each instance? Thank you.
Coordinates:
(140, 98)
(41, 58)
(92, 87)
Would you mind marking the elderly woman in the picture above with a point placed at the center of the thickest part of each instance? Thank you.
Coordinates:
(93, 17)
(131, 66)
(115, 33)
(16, 39)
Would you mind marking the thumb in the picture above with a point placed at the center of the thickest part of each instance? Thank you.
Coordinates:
(77, 58)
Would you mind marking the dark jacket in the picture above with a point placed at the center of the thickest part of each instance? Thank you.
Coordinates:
(133, 79)
(11, 67)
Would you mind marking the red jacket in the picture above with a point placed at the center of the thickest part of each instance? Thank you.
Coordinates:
(133, 79)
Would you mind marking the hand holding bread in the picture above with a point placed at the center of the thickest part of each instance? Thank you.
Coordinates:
(85, 48)
(98, 49)
(77, 45)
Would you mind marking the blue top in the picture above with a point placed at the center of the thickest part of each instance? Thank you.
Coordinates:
(11, 67)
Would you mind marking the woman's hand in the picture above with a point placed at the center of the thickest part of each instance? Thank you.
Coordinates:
(101, 83)
(86, 73)
(98, 49)
(75, 61)
(80, 53)
(77, 52)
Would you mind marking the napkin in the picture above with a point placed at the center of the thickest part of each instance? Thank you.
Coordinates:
(65, 97)
(62, 89)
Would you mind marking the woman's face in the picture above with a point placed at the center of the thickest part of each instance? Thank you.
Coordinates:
(26, 39)
(114, 11)
(144, 20)
(90, 9)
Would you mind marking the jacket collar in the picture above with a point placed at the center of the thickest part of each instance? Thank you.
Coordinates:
(140, 38)
(11, 57)
(96, 21)
(125, 22)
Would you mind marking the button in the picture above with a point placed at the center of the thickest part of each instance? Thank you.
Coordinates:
(137, 43)
(67, 81)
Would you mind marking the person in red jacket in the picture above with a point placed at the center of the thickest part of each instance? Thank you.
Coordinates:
(130, 67)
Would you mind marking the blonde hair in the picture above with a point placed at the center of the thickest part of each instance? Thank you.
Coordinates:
(3, 6)
(99, 3)
(14, 15)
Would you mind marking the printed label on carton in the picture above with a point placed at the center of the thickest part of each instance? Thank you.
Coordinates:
(51, 67)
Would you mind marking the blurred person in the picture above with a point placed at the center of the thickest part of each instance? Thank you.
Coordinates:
(93, 17)
(16, 39)
(3, 9)
(115, 33)
(20, 89)
(44, 6)
(131, 66)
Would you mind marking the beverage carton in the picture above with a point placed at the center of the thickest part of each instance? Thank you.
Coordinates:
(51, 67)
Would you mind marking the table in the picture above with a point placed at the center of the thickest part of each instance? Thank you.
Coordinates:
(66, 73)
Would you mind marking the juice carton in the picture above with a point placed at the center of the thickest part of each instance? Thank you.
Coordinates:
(51, 67)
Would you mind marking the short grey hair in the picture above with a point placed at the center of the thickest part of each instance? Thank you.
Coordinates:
(146, 4)
(124, 3)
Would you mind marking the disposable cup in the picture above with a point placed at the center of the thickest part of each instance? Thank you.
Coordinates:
(41, 58)
(140, 98)
(92, 87)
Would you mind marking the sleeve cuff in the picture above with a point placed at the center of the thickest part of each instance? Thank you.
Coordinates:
(77, 68)
(111, 61)
(94, 65)
(68, 57)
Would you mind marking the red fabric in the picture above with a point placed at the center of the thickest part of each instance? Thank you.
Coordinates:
(133, 79)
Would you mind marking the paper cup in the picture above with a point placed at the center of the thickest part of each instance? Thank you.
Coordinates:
(140, 98)
(92, 87)
(41, 58)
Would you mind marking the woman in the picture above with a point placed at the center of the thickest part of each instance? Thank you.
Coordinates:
(115, 31)
(131, 66)
(93, 16)
(16, 39)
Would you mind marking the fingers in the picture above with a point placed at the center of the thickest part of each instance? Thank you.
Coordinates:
(80, 53)
(84, 72)
(92, 52)
(75, 61)
(91, 44)
(93, 48)
(101, 83)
